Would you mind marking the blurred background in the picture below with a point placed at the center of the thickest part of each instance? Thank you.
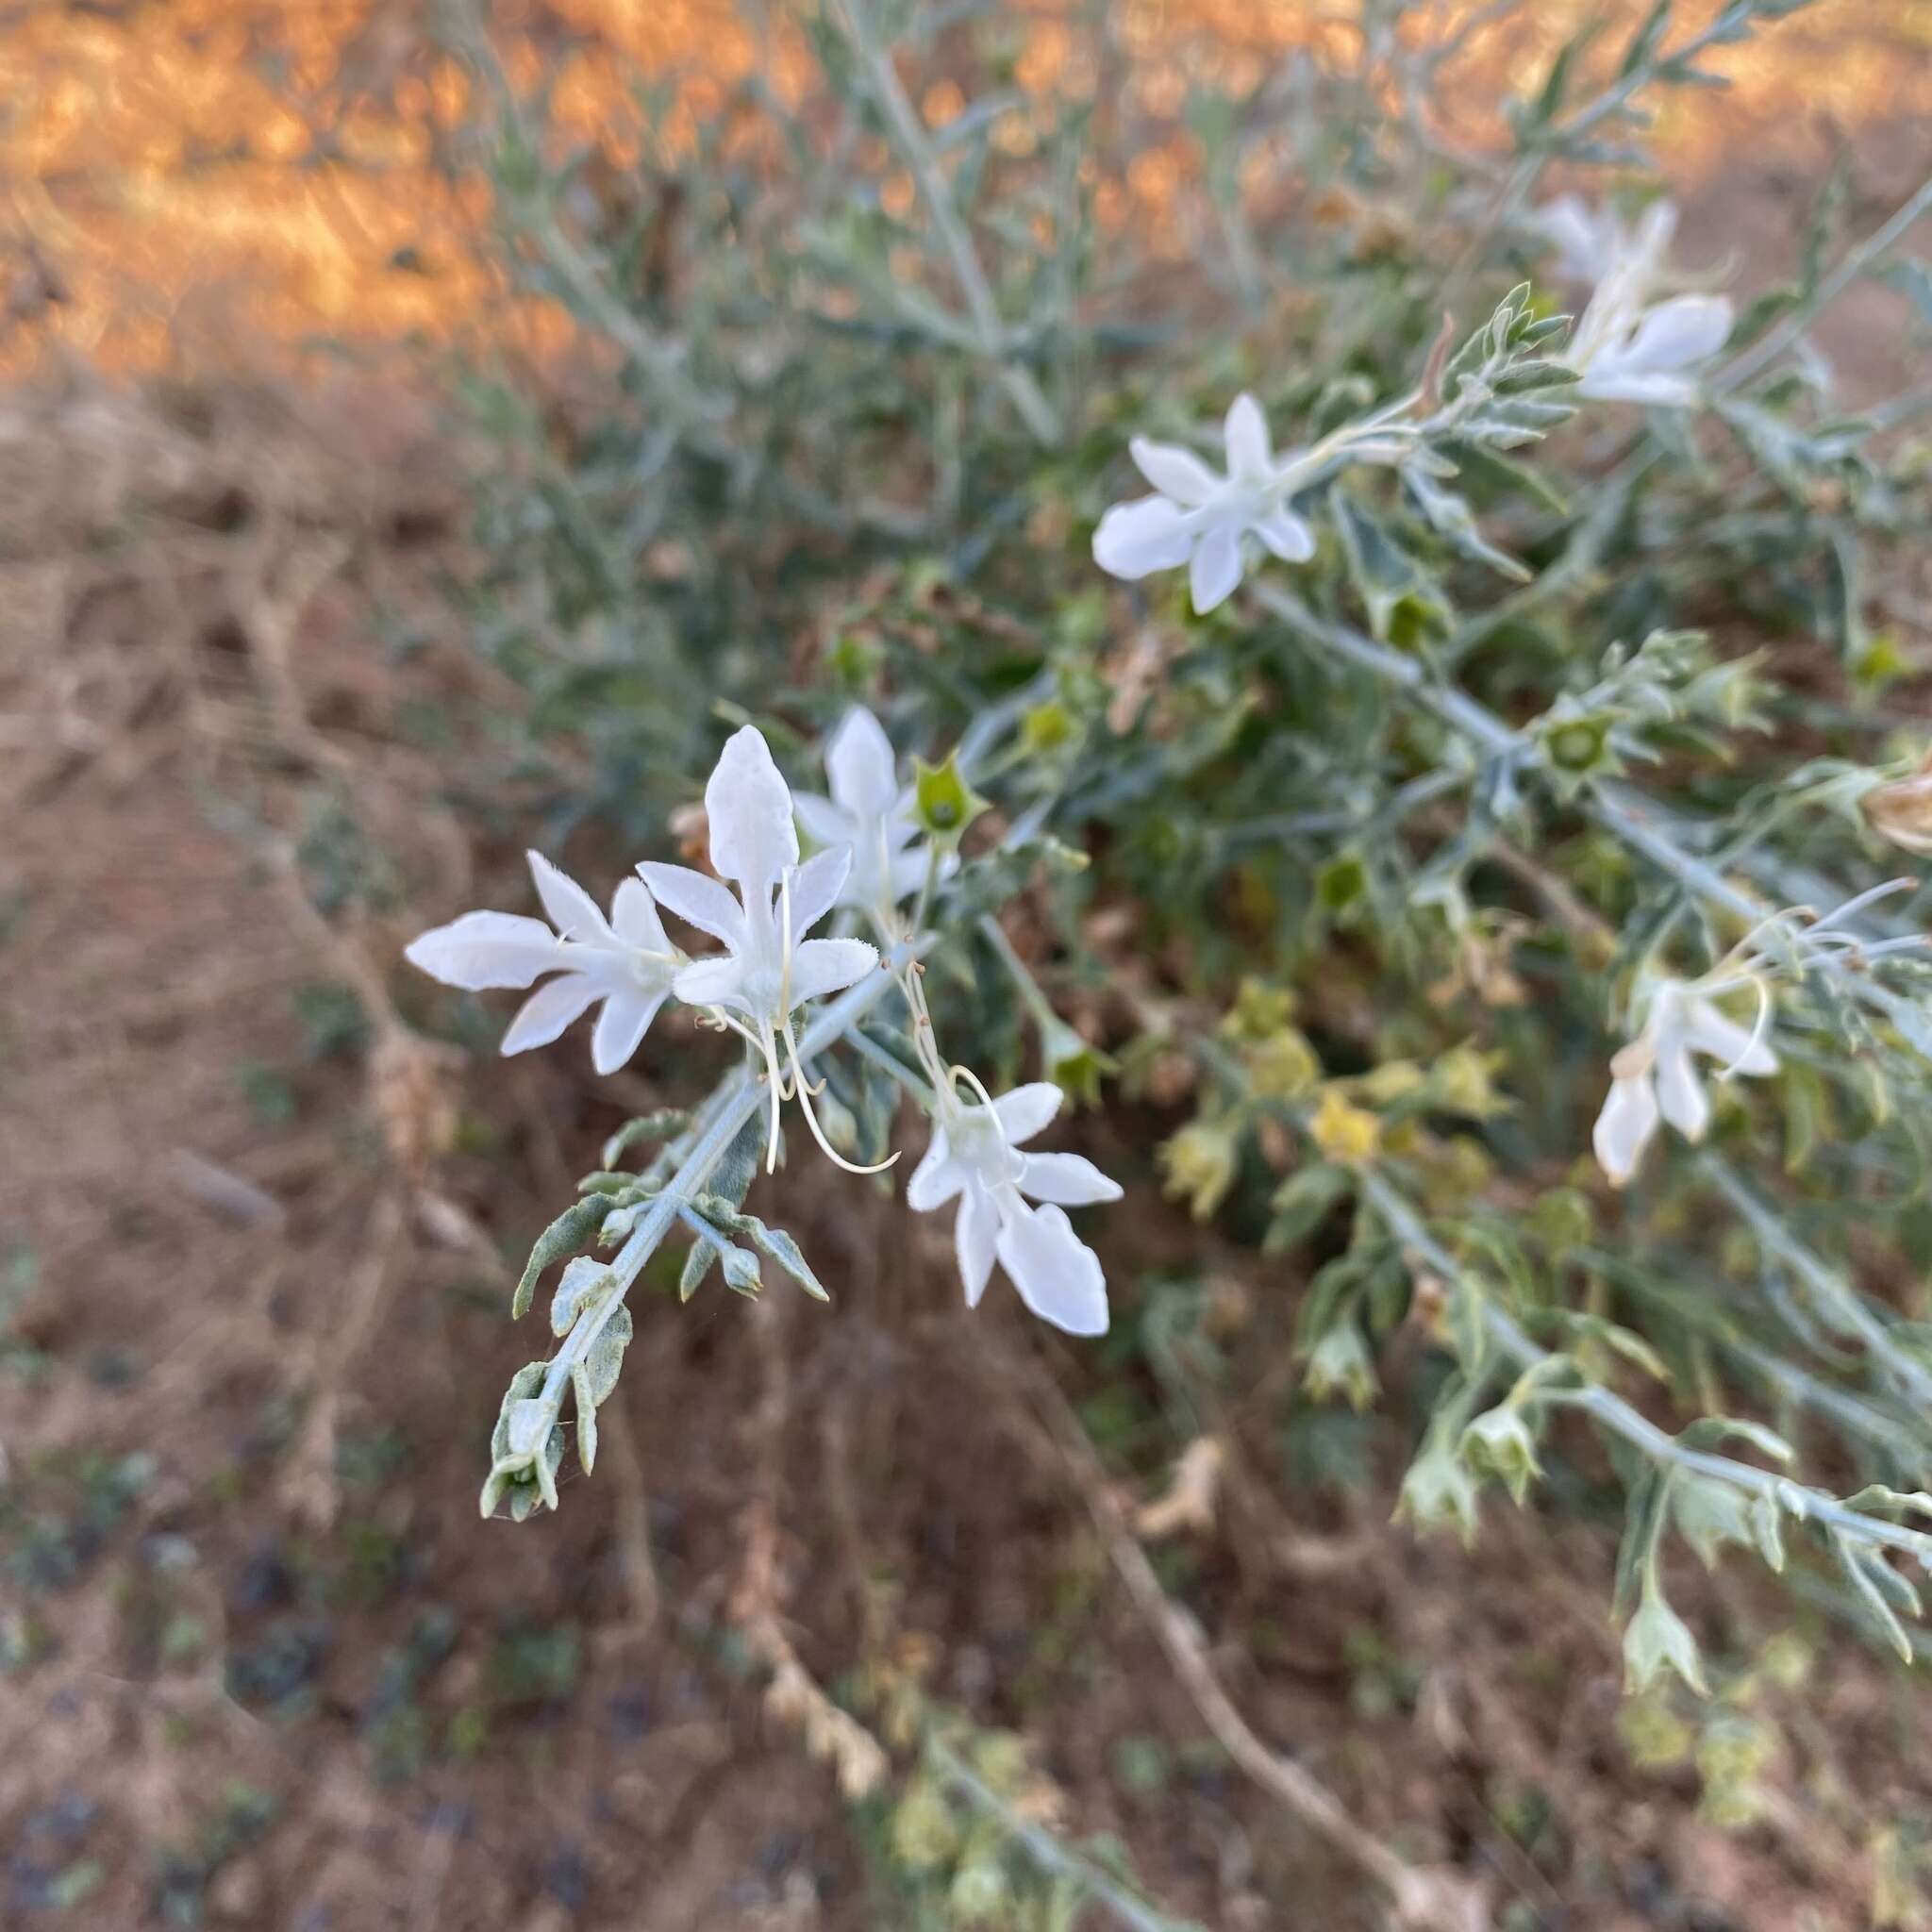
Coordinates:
(271, 314)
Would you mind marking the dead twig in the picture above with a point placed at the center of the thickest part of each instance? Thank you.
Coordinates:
(793, 1697)
(1424, 1899)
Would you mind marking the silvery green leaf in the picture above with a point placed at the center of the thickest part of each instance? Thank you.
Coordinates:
(1874, 1579)
(529, 1423)
(1303, 1202)
(584, 1280)
(741, 1272)
(574, 1228)
(494, 1485)
(604, 1359)
(661, 1125)
(1768, 1531)
(732, 1177)
(1875, 1496)
(604, 1182)
(1709, 1430)
(1451, 517)
(697, 1264)
(549, 1460)
(587, 1418)
(525, 1383)
(779, 1246)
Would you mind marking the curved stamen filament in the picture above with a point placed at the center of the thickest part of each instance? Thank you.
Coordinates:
(1760, 1026)
(956, 1075)
(804, 1091)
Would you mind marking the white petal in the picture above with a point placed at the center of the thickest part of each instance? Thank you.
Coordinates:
(1656, 225)
(1287, 535)
(816, 886)
(1135, 539)
(1216, 569)
(1248, 455)
(1059, 1276)
(1680, 1091)
(1734, 1047)
(710, 983)
(1027, 1111)
(975, 1238)
(484, 949)
(1586, 242)
(749, 806)
(1176, 473)
(823, 966)
(936, 1178)
(634, 918)
(862, 767)
(825, 823)
(1606, 382)
(699, 901)
(621, 1026)
(1625, 1127)
(1070, 1179)
(571, 911)
(908, 872)
(1677, 333)
(549, 1011)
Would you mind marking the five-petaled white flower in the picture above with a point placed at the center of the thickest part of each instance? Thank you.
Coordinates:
(767, 969)
(1655, 1076)
(1199, 518)
(974, 1154)
(869, 811)
(625, 960)
(1630, 347)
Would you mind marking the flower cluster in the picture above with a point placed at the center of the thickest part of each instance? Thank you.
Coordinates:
(871, 858)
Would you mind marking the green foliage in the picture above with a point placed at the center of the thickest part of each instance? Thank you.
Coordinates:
(1356, 884)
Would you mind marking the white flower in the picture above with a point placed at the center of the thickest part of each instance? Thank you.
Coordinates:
(1592, 243)
(1629, 346)
(625, 962)
(975, 1156)
(1632, 357)
(1655, 1076)
(869, 811)
(767, 969)
(1199, 518)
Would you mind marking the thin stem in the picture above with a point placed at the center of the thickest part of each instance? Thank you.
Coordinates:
(1835, 1299)
(1034, 408)
(1613, 1413)
(1851, 266)
(737, 1101)
(1045, 1849)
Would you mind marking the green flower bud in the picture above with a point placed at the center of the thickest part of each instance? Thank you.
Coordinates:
(1499, 1440)
(943, 802)
(1340, 1365)
(1657, 1639)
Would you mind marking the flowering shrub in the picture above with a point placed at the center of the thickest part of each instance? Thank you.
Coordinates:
(1412, 821)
